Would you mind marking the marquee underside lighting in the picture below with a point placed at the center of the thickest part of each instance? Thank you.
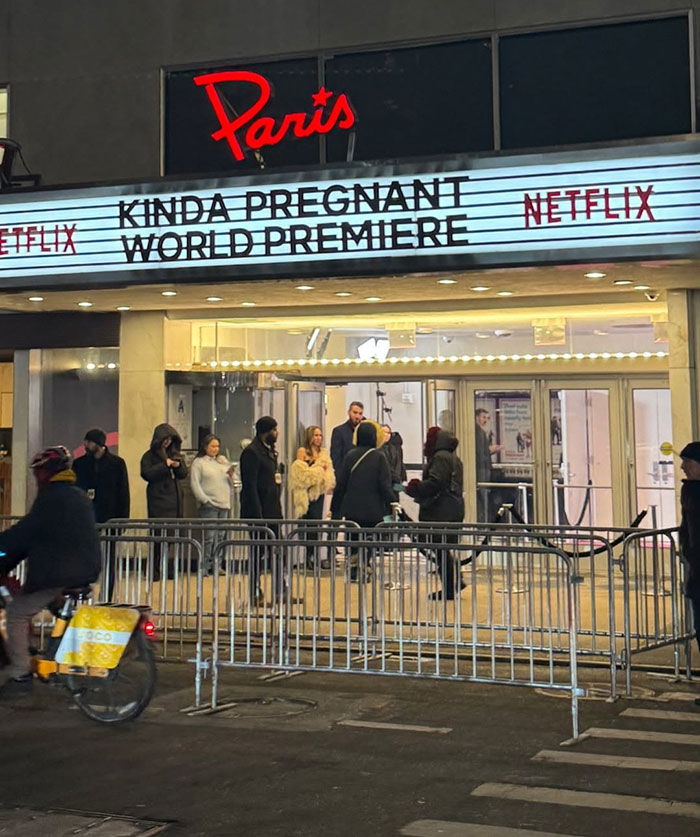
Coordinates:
(403, 362)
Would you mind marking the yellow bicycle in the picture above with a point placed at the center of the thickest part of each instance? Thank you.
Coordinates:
(103, 654)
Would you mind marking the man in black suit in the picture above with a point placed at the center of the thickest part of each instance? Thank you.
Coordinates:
(341, 438)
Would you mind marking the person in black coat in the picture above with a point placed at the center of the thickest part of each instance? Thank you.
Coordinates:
(689, 532)
(439, 495)
(363, 491)
(393, 450)
(261, 496)
(59, 540)
(342, 435)
(163, 469)
(103, 476)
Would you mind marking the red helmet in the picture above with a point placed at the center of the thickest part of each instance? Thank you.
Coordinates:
(52, 460)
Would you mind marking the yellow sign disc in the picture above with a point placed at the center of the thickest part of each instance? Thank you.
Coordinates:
(666, 448)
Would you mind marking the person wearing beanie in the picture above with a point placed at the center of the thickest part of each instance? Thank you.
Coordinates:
(689, 531)
(440, 498)
(103, 476)
(363, 491)
(261, 495)
(59, 541)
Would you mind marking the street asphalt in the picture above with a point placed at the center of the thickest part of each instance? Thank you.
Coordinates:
(283, 760)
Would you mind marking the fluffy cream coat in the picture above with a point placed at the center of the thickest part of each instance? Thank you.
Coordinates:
(309, 482)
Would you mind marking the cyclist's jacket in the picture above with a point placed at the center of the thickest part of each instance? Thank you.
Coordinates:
(57, 537)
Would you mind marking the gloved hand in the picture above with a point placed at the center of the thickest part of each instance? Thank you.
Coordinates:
(412, 487)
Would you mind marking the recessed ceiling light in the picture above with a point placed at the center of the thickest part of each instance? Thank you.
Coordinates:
(599, 332)
(295, 331)
(90, 366)
(248, 304)
(505, 293)
(169, 293)
(447, 281)
(111, 366)
(214, 299)
(594, 274)
(85, 304)
(343, 293)
(305, 287)
(425, 330)
(373, 299)
(622, 282)
(123, 308)
(642, 287)
(36, 298)
(480, 288)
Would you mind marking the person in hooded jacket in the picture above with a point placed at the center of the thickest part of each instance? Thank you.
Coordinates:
(689, 531)
(163, 469)
(393, 450)
(363, 491)
(59, 540)
(439, 496)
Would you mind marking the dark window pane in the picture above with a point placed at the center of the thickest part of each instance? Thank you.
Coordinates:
(595, 84)
(415, 102)
(190, 118)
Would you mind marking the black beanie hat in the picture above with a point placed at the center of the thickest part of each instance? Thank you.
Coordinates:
(691, 451)
(96, 435)
(265, 424)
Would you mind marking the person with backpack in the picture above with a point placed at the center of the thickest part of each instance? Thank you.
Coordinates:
(439, 496)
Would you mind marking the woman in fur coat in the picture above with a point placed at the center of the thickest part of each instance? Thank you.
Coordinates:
(311, 477)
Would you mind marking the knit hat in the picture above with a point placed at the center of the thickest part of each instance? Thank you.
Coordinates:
(430, 441)
(691, 451)
(368, 434)
(264, 424)
(96, 435)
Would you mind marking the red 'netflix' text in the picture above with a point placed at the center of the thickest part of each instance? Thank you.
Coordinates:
(629, 203)
(36, 239)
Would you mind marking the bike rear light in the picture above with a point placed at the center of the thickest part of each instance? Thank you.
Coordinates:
(149, 629)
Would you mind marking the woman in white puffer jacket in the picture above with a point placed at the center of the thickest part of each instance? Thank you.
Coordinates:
(311, 477)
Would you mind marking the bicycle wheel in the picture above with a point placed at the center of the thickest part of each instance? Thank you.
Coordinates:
(125, 692)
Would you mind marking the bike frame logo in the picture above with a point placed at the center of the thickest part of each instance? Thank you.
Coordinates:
(250, 131)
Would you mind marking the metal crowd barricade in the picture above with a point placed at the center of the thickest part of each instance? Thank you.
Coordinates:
(656, 610)
(377, 610)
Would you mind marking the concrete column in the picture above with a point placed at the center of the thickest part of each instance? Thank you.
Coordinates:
(26, 426)
(142, 402)
(684, 368)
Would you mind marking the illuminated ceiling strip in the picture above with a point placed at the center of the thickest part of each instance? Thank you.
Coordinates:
(416, 361)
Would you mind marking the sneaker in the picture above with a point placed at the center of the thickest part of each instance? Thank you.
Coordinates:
(438, 595)
(18, 687)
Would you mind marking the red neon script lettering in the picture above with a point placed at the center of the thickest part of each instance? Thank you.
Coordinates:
(247, 131)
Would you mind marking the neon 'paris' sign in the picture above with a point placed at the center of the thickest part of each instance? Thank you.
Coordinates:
(248, 130)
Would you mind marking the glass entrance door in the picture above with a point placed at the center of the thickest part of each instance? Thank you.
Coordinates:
(580, 460)
(504, 428)
(652, 474)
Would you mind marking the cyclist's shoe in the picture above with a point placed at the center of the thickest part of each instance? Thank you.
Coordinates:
(16, 688)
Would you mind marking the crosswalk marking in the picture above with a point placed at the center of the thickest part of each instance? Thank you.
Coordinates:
(662, 715)
(687, 696)
(444, 828)
(642, 735)
(586, 799)
(401, 727)
(627, 762)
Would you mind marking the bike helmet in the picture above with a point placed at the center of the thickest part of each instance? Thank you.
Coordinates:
(52, 460)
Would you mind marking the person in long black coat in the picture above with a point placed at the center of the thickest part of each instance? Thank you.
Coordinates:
(103, 476)
(261, 498)
(163, 469)
(440, 497)
(689, 532)
(363, 491)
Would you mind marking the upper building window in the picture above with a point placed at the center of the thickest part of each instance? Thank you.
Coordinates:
(595, 84)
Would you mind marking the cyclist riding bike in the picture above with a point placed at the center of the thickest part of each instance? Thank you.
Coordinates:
(59, 540)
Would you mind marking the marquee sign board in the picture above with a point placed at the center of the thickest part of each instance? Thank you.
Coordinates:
(625, 203)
